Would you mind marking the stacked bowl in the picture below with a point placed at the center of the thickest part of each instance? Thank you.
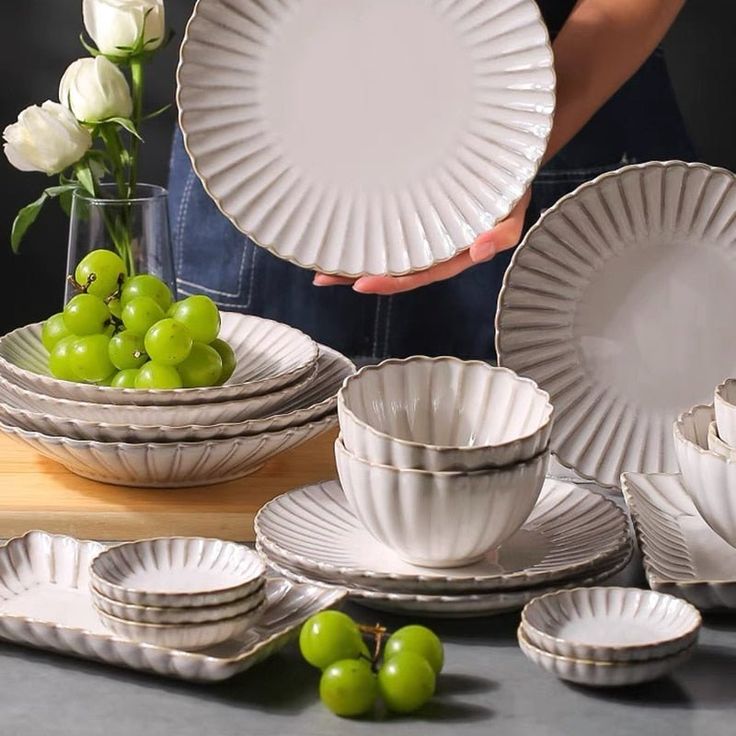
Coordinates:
(178, 592)
(282, 393)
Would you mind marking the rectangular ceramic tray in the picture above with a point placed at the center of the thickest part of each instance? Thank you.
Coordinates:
(682, 555)
(45, 603)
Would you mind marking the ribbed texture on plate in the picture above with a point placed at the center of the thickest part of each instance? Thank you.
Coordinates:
(65, 621)
(315, 529)
(676, 543)
(440, 519)
(610, 624)
(178, 464)
(239, 90)
(473, 415)
(561, 304)
(270, 355)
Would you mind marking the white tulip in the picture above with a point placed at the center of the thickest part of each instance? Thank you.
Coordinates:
(46, 138)
(117, 24)
(95, 90)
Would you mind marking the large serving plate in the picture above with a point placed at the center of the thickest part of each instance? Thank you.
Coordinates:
(366, 136)
(570, 531)
(617, 303)
(270, 355)
(45, 602)
(682, 555)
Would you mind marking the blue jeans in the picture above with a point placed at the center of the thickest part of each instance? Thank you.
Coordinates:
(455, 317)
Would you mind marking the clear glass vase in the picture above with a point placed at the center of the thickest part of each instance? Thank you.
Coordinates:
(136, 228)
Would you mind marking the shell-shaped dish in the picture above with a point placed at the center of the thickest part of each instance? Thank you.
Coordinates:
(717, 445)
(443, 414)
(724, 403)
(339, 159)
(608, 299)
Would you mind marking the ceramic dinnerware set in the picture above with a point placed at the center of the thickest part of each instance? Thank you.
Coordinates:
(282, 393)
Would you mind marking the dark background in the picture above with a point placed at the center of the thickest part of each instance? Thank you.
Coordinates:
(39, 38)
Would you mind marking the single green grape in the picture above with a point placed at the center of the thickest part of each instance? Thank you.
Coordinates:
(330, 636)
(101, 269)
(90, 359)
(125, 378)
(202, 367)
(140, 314)
(157, 375)
(229, 361)
(54, 328)
(145, 284)
(59, 359)
(417, 639)
(201, 315)
(170, 311)
(116, 308)
(127, 350)
(406, 682)
(349, 687)
(86, 314)
(168, 342)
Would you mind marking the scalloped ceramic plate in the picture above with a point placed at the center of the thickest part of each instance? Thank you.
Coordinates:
(570, 531)
(617, 304)
(682, 555)
(45, 603)
(366, 136)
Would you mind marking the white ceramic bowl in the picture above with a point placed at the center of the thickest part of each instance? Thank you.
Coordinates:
(182, 636)
(179, 615)
(317, 400)
(173, 464)
(435, 519)
(709, 479)
(610, 624)
(601, 673)
(717, 445)
(443, 414)
(270, 356)
(724, 402)
(177, 572)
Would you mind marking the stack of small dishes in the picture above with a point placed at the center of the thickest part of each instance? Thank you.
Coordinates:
(178, 592)
(444, 508)
(607, 637)
(282, 393)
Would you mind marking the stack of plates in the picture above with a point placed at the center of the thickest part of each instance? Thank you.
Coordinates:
(283, 393)
(573, 537)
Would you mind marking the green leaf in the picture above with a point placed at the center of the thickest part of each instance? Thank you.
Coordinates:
(84, 175)
(156, 113)
(126, 123)
(61, 189)
(65, 202)
(24, 219)
(88, 47)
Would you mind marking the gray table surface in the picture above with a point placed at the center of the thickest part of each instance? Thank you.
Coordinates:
(488, 687)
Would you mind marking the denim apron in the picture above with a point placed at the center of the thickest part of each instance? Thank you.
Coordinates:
(640, 123)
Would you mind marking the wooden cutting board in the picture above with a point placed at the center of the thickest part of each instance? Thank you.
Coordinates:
(36, 493)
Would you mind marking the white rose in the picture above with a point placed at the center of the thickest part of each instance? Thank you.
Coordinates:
(117, 24)
(46, 138)
(95, 90)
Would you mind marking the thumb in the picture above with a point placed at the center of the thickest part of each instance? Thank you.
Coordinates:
(503, 236)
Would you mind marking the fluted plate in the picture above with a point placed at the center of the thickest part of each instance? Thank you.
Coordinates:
(570, 531)
(618, 303)
(682, 555)
(45, 602)
(365, 136)
(270, 355)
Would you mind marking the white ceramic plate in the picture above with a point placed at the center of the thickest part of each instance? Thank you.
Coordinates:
(169, 465)
(45, 602)
(617, 304)
(449, 606)
(315, 401)
(570, 531)
(270, 355)
(682, 555)
(366, 136)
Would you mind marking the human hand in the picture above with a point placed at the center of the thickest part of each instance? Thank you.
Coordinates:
(503, 236)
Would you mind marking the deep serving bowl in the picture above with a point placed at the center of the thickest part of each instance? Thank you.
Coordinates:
(443, 414)
(724, 403)
(440, 519)
(610, 624)
(709, 479)
(270, 355)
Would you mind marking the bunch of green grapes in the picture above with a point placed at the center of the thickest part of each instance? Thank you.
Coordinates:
(129, 333)
(353, 679)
